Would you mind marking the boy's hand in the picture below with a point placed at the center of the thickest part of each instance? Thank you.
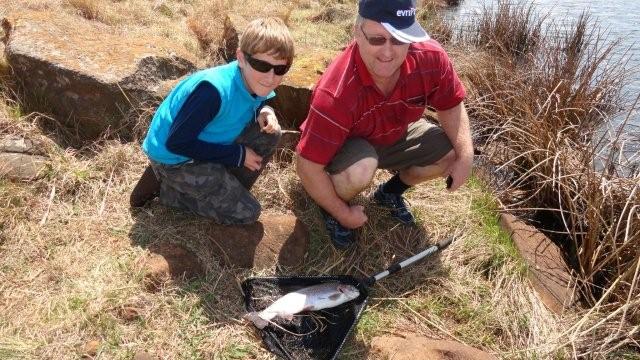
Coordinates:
(268, 121)
(252, 161)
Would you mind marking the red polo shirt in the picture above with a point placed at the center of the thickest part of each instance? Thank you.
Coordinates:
(346, 103)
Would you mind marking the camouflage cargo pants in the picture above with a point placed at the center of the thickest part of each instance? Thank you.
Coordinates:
(214, 190)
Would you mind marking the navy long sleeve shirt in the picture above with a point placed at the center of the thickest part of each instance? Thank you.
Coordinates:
(201, 106)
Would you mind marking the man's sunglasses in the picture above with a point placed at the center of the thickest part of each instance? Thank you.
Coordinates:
(380, 40)
(265, 67)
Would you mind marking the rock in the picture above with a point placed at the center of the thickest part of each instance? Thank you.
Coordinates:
(413, 347)
(128, 313)
(274, 239)
(548, 271)
(143, 355)
(230, 39)
(2, 58)
(4, 66)
(286, 148)
(17, 144)
(17, 166)
(90, 349)
(332, 14)
(85, 72)
(164, 87)
(293, 95)
(169, 261)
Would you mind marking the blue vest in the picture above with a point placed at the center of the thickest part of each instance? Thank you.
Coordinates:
(238, 107)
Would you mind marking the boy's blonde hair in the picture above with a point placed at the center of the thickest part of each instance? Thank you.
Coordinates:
(268, 35)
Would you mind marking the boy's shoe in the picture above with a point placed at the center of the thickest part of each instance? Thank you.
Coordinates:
(395, 203)
(147, 188)
(341, 237)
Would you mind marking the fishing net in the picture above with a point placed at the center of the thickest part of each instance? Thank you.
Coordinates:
(309, 335)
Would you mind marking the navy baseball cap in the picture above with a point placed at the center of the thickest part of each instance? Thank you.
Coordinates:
(397, 16)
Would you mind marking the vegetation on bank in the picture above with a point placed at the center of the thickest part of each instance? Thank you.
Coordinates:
(539, 110)
(70, 250)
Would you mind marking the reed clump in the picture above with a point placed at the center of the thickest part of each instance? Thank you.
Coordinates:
(510, 30)
(539, 109)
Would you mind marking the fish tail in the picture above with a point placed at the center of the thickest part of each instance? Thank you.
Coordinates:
(255, 318)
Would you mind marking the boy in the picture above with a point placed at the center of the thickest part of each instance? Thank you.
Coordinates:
(211, 137)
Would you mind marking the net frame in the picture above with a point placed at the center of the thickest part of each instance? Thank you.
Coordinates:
(317, 335)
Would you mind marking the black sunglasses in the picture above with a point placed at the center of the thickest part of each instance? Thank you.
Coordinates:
(380, 40)
(264, 67)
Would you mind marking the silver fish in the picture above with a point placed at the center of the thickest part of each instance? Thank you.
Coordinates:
(310, 298)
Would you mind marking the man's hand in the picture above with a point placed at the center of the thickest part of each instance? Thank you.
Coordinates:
(455, 124)
(268, 121)
(319, 186)
(354, 218)
(252, 161)
(459, 170)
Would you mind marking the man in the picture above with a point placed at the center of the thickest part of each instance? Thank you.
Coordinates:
(365, 114)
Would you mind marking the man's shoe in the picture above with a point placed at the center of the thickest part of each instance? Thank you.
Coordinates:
(395, 203)
(147, 188)
(341, 237)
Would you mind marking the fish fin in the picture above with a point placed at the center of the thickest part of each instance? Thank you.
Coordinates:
(335, 297)
(255, 318)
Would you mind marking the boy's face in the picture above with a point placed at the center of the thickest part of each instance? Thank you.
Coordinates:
(260, 83)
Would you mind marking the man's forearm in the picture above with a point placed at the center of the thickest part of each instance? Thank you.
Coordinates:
(455, 124)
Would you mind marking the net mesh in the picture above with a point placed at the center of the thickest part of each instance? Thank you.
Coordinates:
(311, 334)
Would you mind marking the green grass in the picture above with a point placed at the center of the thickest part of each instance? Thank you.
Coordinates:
(503, 250)
(370, 323)
(237, 351)
(15, 111)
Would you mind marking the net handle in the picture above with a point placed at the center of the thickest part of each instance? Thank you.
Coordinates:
(370, 281)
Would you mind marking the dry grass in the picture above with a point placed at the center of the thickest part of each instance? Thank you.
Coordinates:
(71, 251)
(208, 26)
(89, 9)
(539, 105)
(75, 258)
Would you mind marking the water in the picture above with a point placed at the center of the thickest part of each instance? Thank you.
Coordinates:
(619, 19)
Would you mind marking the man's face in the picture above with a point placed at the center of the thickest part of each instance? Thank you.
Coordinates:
(260, 83)
(384, 60)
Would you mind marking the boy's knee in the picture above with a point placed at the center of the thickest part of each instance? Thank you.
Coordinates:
(246, 212)
(249, 216)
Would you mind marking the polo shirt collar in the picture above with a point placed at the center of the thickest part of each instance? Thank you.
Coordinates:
(244, 92)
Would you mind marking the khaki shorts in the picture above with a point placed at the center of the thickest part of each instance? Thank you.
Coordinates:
(423, 144)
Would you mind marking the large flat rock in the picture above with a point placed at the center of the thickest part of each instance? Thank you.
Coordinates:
(548, 272)
(84, 71)
(168, 261)
(274, 239)
(413, 347)
(16, 166)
